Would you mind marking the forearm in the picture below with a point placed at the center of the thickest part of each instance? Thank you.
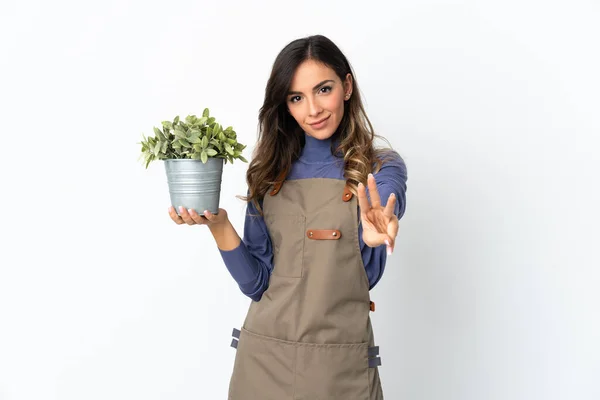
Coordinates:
(225, 235)
(250, 272)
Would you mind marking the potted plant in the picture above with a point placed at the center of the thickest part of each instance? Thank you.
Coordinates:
(194, 152)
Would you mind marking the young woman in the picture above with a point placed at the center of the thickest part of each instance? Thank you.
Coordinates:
(315, 238)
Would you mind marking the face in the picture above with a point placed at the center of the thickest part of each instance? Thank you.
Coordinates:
(316, 98)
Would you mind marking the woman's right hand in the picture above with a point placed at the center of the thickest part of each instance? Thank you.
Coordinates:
(191, 217)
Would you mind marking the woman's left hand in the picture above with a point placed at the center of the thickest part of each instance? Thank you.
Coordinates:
(380, 224)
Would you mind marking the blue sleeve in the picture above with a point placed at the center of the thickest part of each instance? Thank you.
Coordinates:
(391, 178)
(250, 264)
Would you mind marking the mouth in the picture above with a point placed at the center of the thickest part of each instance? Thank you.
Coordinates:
(320, 121)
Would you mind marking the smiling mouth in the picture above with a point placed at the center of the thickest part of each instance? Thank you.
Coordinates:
(318, 122)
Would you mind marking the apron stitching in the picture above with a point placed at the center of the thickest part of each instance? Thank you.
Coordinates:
(295, 364)
(306, 344)
(356, 241)
(368, 381)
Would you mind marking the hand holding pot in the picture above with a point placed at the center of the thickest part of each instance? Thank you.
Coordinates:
(191, 217)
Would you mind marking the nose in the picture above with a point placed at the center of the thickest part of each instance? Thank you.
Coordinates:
(314, 108)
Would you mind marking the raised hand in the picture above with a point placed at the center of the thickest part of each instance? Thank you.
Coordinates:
(380, 224)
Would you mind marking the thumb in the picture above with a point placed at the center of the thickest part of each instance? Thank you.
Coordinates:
(389, 243)
(392, 231)
(382, 239)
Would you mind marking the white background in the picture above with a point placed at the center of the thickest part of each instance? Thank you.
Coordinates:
(492, 291)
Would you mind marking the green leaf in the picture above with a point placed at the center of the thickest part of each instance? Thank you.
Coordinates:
(176, 120)
(184, 143)
(242, 158)
(205, 113)
(204, 157)
(228, 148)
(217, 144)
(179, 133)
(197, 147)
(204, 142)
(211, 152)
(159, 134)
(194, 139)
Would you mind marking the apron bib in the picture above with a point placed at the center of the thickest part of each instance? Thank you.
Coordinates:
(310, 335)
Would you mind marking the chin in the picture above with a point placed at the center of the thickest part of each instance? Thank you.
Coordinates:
(321, 135)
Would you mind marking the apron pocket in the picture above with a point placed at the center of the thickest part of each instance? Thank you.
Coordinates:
(287, 232)
(263, 369)
(332, 371)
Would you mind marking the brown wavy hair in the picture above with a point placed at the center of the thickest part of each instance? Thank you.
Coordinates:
(281, 139)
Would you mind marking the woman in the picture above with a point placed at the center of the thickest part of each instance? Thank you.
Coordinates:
(314, 242)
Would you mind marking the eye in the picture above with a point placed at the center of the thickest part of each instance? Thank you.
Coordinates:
(326, 89)
(294, 99)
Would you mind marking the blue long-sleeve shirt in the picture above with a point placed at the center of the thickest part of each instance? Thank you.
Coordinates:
(251, 263)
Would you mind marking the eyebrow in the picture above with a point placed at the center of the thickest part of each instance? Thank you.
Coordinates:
(314, 88)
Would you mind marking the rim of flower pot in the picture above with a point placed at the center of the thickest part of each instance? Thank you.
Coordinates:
(191, 159)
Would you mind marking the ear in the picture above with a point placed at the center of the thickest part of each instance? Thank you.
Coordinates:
(348, 85)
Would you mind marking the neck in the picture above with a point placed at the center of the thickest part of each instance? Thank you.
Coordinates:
(316, 150)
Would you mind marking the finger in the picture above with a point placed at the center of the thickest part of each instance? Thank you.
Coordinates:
(380, 239)
(210, 216)
(197, 218)
(392, 231)
(176, 218)
(363, 202)
(375, 200)
(389, 207)
(389, 246)
(186, 216)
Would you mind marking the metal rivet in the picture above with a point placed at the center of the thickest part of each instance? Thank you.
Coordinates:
(334, 233)
(347, 194)
(310, 234)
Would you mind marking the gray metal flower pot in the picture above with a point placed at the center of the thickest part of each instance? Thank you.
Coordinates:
(193, 184)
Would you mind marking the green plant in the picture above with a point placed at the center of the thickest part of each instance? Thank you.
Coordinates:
(195, 138)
